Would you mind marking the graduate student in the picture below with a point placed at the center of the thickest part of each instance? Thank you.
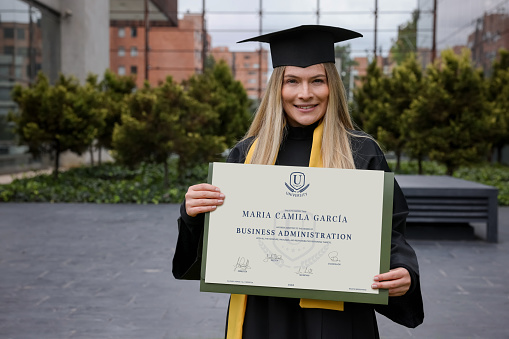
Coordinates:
(303, 120)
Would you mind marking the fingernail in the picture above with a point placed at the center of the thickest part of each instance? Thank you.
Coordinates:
(220, 201)
(217, 189)
(376, 278)
(374, 286)
(221, 195)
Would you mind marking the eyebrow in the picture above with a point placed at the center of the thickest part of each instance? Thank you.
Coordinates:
(312, 77)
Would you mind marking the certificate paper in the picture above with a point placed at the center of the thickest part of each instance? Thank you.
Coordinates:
(301, 232)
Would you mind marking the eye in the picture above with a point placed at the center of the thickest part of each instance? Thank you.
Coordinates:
(290, 81)
(319, 81)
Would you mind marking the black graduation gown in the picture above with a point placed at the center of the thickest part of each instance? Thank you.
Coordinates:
(280, 318)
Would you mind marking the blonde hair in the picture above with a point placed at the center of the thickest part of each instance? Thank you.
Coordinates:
(270, 120)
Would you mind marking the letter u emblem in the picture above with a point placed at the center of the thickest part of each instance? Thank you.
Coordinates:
(297, 180)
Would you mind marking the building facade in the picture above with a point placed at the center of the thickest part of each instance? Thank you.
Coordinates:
(173, 47)
(250, 68)
(482, 26)
(53, 36)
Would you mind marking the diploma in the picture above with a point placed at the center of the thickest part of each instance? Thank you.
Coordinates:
(300, 232)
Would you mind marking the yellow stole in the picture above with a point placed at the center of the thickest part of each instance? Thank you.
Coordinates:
(238, 302)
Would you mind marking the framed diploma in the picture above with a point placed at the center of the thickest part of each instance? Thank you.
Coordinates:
(299, 232)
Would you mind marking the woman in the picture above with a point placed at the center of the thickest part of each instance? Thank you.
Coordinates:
(305, 105)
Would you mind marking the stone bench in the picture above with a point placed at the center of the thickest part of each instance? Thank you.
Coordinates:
(444, 199)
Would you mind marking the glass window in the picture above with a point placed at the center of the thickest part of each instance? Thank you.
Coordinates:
(5, 93)
(8, 33)
(8, 50)
(134, 32)
(20, 34)
(23, 51)
(134, 69)
(121, 70)
(121, 51)
(134, 51)
(121, 32)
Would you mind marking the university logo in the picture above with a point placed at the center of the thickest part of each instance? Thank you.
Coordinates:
(297, 182)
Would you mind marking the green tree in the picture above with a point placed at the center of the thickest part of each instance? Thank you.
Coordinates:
(344, 53)
(371, 100)
(113, 92)
(226, 96)
(54, 119)
(162, 121)
(406, 42)
(498, 96)
(404, 86)
(453, 100)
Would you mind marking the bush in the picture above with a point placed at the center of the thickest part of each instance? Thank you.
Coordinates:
(112, 183)
(487, 174)
(108, 183)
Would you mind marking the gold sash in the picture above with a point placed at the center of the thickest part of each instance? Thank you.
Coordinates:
(238, 302)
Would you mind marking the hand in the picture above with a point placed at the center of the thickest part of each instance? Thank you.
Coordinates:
(397, 281)
(203, 198)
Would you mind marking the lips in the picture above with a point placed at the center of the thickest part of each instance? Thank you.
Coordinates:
(306, 106)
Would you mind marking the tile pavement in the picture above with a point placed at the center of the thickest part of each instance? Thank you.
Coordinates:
(104, 271)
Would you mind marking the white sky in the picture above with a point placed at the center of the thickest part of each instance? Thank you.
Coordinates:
(229, 26)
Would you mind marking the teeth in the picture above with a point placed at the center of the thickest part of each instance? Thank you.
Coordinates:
(306, 107)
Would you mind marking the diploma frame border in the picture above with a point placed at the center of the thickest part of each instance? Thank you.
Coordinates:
(348, 296)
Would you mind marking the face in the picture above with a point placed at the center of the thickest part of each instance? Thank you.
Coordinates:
(305, 94)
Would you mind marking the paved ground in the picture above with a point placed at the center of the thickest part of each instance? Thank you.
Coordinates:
(104, 271)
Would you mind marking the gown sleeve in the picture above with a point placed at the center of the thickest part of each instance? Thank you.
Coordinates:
(187, 257)
(406, 310)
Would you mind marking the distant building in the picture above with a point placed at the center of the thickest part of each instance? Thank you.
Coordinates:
(55, 36)
(490, 35)
(175, 47)
(481, 26)
(250, 68)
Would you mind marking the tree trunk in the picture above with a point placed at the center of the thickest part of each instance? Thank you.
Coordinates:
(500, 147)
(398, 161)
(450, 170)
(57, 162)
(166, 183)
(91, 150)
(419, 165)
(99, 158)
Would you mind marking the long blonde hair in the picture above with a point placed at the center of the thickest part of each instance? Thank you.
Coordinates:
(270, 120)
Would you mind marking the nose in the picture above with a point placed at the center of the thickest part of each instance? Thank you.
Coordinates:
(305, 92)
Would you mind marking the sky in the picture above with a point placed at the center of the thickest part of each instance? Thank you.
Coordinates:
(229, 21)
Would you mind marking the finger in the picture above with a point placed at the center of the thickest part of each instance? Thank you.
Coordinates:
(204, 187)
(396, 273)
(194, 211)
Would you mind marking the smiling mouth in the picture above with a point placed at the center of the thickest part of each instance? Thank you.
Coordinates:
(306, 107)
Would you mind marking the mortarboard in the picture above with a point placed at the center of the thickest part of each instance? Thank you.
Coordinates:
(305, 45)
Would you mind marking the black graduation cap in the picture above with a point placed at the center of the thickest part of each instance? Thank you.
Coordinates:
(304, 45)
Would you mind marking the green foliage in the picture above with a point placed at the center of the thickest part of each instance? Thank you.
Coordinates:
(225, 96)
(487, 174)
(497, 176)
(344, 53)
(54, 119)
(107, 183)
(406, 42)
(113, 91)
(498, 96)
(371, 100)
(403, 87)
(112, 183)
(450, 118)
